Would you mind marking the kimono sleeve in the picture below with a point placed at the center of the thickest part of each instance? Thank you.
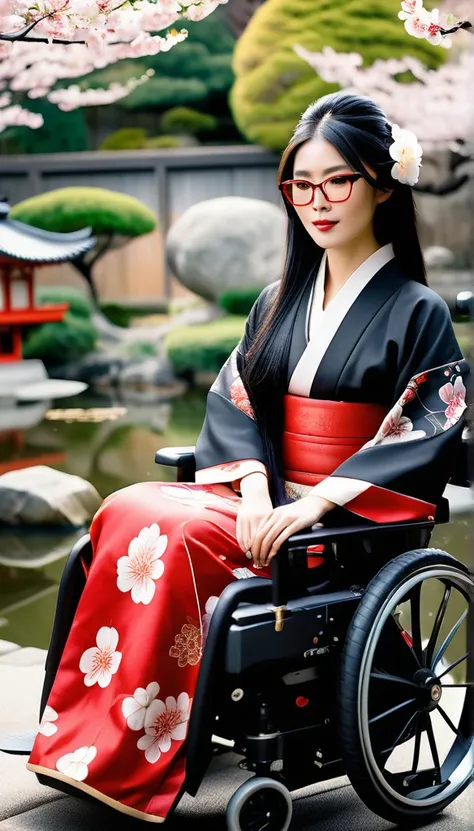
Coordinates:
(229, 445)
(401, 473)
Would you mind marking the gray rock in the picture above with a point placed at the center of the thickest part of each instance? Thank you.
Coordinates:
(436, 256)
(43, 496)
(151, 372)
(227, 244)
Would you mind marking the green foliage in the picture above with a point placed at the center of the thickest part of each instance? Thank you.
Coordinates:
(61, 132)
(58, 343)
(195, 70)
(121, 314)
(274, 85)
(163, 143)
(79, 304)
(205, 347)
(239, 302)
(127, 138)
(69, 209)
(185, 120)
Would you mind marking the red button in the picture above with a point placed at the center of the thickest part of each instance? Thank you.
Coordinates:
(301, 701)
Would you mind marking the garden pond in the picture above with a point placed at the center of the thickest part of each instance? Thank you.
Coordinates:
(112, 443)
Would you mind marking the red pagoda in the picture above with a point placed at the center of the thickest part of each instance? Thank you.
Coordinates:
(22, 249)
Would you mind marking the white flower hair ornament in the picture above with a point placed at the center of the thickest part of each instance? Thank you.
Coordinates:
(406, 152)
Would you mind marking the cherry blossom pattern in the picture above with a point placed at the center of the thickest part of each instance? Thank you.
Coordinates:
(187, 645)
(47, 726)
(76, 764)
(395, 428)
(454, 395)
(211, 604)
(242, 573)
(135, 707)
(164, 722)
(239, 397)
(138, 571)
(100, 662)
(198, 495)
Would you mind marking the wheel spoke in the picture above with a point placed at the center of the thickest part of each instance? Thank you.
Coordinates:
(454, 664)
(385, 676)
(392, 710)
(416, 751)
(415, 604)
(433, 747)
(448, 640)
(437, 624)
(451, 686)
(400, 736)
(448, 721)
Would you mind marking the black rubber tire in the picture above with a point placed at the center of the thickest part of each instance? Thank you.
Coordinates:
(381, 587)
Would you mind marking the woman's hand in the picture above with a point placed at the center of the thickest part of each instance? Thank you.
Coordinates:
(256, 504)
(280, 523)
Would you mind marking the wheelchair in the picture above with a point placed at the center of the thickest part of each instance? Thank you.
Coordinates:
(328, 669)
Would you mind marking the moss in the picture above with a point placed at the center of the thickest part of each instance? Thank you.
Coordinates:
(206, 347)
(274, 86)
(73, 208)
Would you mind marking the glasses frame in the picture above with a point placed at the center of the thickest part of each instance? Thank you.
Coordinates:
(284, 190)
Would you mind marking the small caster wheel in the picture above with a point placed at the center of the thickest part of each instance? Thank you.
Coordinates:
(260, 804)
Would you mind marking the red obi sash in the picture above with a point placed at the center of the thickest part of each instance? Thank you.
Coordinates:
(319, 435)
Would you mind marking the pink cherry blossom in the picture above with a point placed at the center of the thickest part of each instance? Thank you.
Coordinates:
(396, 428)
(454, 395)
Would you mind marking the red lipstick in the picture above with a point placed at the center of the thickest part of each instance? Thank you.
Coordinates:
(324, 225)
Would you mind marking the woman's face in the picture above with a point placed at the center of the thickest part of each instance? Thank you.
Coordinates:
(315, 161)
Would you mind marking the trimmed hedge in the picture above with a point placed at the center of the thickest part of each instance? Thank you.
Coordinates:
(58, 343)
(127, 138)
(79, 304)
(239, 302)
(70, 209)
(274, 86)
(180, 120)
(204, 347)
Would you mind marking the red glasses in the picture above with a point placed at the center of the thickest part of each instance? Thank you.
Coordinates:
(300, 192)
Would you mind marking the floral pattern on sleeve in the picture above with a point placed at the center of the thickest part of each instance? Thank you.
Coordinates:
(407, 417)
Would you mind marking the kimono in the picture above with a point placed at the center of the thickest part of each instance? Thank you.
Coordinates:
(381, 362)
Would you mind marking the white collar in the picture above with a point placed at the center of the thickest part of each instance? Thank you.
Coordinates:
(323, 325)
(352, 287)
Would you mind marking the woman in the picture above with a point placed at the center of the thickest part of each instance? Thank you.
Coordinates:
(346, 392)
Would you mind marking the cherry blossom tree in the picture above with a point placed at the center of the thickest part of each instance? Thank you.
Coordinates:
(49, 41)
(433, 106)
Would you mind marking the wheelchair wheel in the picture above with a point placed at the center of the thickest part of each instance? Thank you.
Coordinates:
(260, 804)
(406, 689)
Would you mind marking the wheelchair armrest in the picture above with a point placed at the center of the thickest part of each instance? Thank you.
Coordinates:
(181, 457)
(291, 561)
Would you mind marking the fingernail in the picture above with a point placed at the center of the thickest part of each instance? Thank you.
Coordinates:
(249, 555)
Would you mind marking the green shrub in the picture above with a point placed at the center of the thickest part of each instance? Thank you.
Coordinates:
(239, 302)
(79, 304)
(59, 343)
(186, 120)
(121, 314)
(274, 85)
(205, 347)
(127, 138)
(70, 209)
(163, 142)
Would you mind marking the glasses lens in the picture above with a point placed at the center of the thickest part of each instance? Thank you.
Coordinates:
(338, 188)
(299, 193)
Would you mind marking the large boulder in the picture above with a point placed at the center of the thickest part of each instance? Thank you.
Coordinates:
(231, 243)
(43, 496)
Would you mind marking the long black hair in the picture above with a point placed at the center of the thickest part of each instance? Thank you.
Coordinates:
(359, 130)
